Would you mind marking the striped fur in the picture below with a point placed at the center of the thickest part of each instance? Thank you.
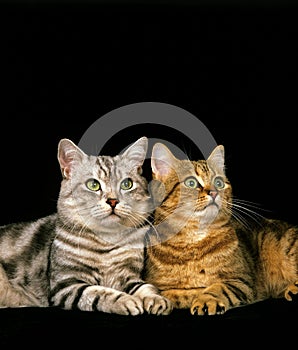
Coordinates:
(24, 252)
(202, 255)
(90, 254)
(98, 252)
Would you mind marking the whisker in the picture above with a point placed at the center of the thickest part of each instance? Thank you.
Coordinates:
(241, 220)
(237, 210)
(170, 211)
(247, 210)
(249, 204)
(153, 227)
(237, 216)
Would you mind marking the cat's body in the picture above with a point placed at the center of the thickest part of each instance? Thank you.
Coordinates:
(202, 257)
(24, 253)
(90, 255)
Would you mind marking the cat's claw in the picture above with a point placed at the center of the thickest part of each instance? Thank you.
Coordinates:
(134, 308)
(291, 290)
(210, 307)
(127, 305)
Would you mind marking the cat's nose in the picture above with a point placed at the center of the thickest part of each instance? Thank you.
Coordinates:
(213, 194)
(112, 202)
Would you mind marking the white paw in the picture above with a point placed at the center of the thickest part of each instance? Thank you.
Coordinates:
(157, 305)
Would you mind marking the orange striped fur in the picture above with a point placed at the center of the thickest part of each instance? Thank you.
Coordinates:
(202, 255)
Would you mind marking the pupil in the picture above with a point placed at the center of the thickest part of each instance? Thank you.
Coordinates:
(218, 183)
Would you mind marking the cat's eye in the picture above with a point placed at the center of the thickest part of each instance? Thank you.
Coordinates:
(219, 183)
(93, 185)
(191, 182)
(126, 184)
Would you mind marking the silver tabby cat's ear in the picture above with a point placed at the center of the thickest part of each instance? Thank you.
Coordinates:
(135, 154)
(68, 155)
(162, 161)
(216, 160)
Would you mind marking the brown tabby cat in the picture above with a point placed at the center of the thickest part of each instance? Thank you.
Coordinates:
(90, 254)
(202, 255)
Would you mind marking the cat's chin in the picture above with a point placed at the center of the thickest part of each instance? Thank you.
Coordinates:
(209, 214)
(114, 223)
(111, 219)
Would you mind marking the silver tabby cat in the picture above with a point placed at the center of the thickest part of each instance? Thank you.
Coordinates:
(88, 255)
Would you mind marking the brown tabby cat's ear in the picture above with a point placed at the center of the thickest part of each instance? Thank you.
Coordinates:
(216, 159)
(135, 155)
(162, 161)
(68, 154)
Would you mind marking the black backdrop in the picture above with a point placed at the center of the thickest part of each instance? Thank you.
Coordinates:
(65, 64)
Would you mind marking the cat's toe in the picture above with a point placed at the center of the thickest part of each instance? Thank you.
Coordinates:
(128, 305)
(199, 309)
(157, 305)
(291, 291)
(207, 307)
(134, 308)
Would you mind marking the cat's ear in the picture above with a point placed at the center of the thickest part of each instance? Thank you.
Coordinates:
(162, 161)
(135, 154)
(217, 158)
(68, 155)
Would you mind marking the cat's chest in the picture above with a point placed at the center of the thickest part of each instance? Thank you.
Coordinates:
(115, 259)
(190, 274)
(97, 261)
(112, 268)
(196, 273)
(193, 265)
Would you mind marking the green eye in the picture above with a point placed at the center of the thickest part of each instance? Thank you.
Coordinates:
(126, 184)
(93, 185)
(191, 182)
(219, 183)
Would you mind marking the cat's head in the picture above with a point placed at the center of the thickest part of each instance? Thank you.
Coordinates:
(198, 191)
(103, 193)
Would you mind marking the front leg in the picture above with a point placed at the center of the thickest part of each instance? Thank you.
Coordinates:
(95, 298)
(153, 302)
(181, 298)
(220, 297)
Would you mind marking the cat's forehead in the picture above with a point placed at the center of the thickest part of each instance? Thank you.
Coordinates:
(186, 168)
(108, 166)
(201, 168)
(106, 161)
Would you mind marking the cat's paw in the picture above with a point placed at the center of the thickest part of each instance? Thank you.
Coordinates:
(291, 290)
(157, 305)
(207, 305)
(127, 305)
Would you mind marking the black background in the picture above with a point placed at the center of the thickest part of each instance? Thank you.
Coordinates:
(233, 66)
(65, 64)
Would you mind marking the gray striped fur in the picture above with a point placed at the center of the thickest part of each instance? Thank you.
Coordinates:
(89, 255)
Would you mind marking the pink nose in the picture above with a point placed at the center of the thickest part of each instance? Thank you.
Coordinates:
(213, 194)
(112, 202)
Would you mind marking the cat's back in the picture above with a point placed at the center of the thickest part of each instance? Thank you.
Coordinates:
(256, 234)
(24, 252)
(30, 236)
